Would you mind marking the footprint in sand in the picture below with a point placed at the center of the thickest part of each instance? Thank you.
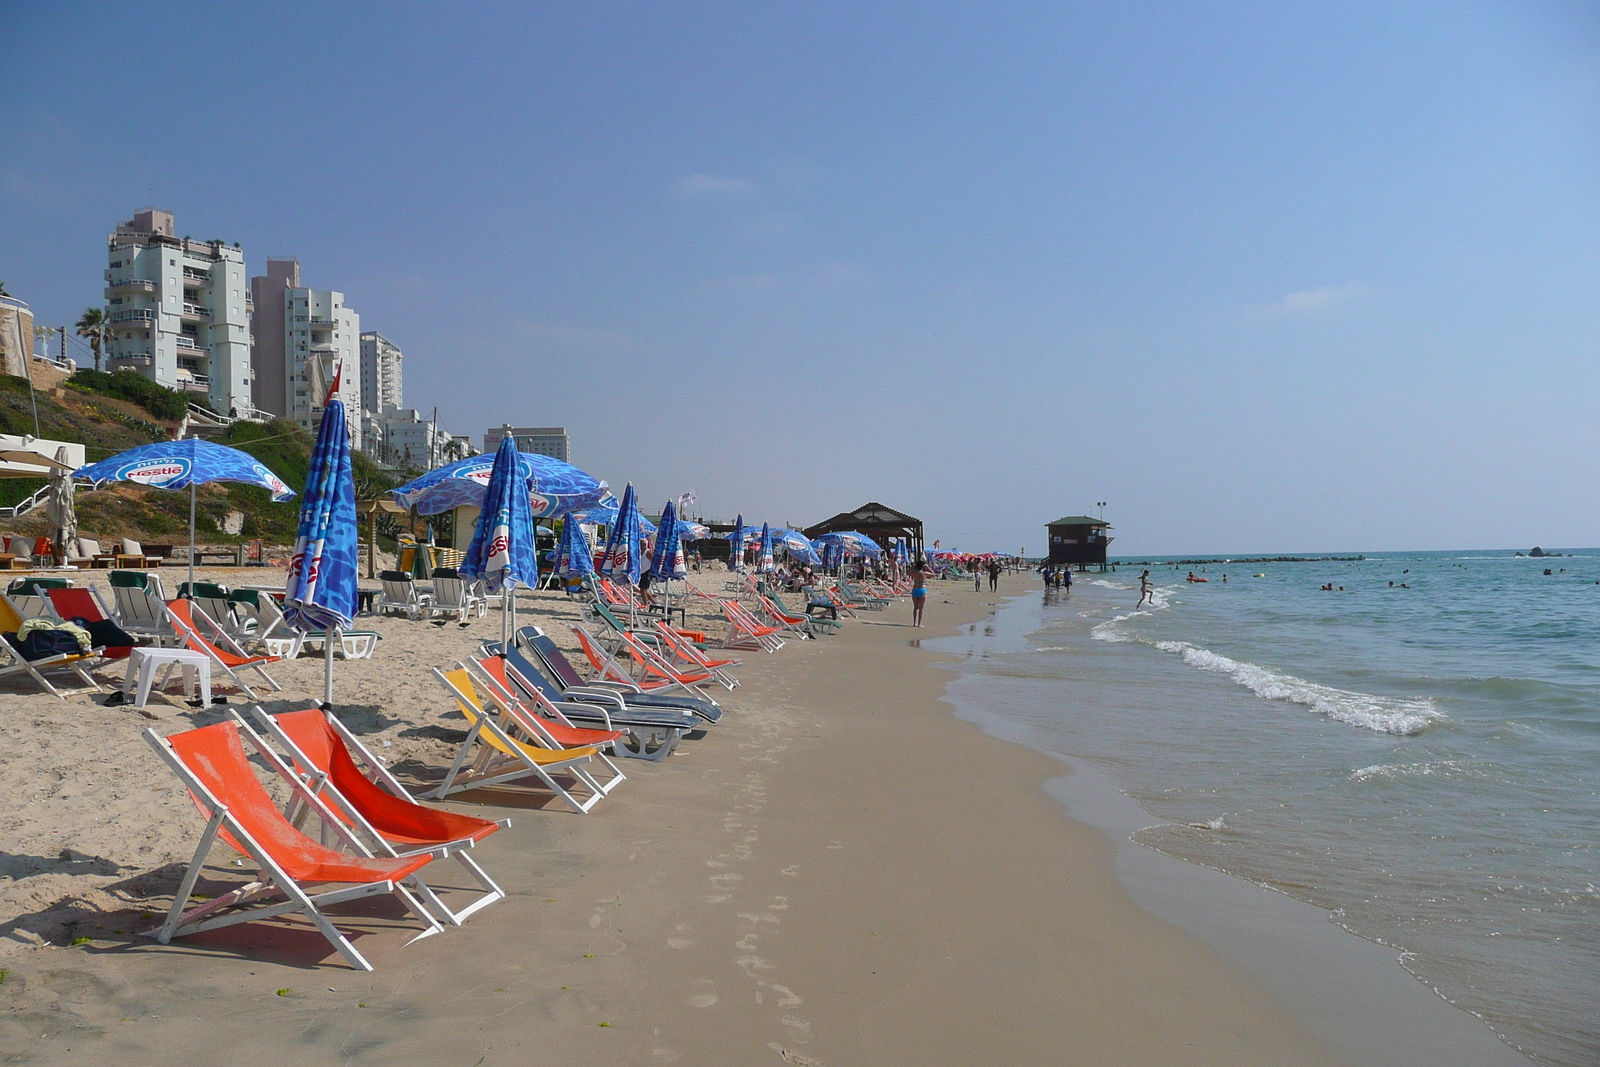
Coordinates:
(791, 1056)
(702, 1000)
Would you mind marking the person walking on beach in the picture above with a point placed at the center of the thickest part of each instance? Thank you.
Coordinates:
(977, 579)
(919, 590)
(994, 576)
(1145, 592)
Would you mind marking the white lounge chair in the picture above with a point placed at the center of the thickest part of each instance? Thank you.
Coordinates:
(140, 606)
(401, 596)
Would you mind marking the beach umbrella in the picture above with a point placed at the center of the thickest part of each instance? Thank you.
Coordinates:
(183, 465)
(797, 544)
(320, 593)
(502, 548)
(689, 530)
(61, 507)
(736, 545)
(621, 556)
(572, 551)
(764, 559)
(666, 562)
(853, 543)
(553, 486)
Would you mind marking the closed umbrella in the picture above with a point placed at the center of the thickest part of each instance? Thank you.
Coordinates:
(736, 546)
(666, 562)
(183, 465)
(764, 560)
(320, 594)
(572, 551)
(502, 552)
(61, 506)
(621, 556)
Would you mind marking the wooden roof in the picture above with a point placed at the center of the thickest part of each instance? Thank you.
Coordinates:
(1079, 520)
(867, 515)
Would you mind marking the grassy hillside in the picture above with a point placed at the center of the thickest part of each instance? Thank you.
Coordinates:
(107, 425)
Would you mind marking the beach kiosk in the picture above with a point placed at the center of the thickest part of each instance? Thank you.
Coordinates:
(878, 521)
(1078, 540)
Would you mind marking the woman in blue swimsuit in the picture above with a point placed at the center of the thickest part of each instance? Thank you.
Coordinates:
(919, 590)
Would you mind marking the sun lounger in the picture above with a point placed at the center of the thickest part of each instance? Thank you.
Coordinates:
(27, 596)
(232, 660)
(390, 822)
(745, 631)
(683, 651)
(654, 731)
(799, 625)
(497, 756)
(401, 596)
(12, 661)
(140, 606)
(635, 695)
(84, 606)
(212, 764)
(453, 596)
(544, 721)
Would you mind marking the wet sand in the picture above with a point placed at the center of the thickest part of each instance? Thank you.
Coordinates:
(840, 873)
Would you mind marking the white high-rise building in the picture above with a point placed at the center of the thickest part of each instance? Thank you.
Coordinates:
(304, 338)
(380, 373)
(178, 311)
(539, 440)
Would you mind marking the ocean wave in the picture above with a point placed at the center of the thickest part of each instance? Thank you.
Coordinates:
(1396, 770)
(1391, 715)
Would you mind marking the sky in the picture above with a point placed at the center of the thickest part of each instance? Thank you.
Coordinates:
(1262, 277)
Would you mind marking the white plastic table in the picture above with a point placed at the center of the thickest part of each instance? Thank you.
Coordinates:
(144, 662)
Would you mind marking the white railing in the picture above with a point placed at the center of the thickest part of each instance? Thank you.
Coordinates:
(196, 309)
(185, 341)
(16, 511)
(133, 315)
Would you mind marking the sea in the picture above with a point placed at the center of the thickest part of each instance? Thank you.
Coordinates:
(1415, 750)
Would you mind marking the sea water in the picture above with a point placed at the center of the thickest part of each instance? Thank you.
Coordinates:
(1416, 750)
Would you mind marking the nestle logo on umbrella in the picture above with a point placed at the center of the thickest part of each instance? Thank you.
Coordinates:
(156, 473)
(500, 545)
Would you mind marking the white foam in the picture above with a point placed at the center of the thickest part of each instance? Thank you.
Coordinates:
(1391, 715)
(1395, 770)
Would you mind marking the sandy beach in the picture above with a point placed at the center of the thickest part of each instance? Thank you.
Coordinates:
(839, 873)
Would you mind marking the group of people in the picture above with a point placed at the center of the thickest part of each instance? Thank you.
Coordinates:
(1056, 577)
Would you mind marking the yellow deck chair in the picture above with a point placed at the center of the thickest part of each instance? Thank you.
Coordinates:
(14, 663)
(490, 755)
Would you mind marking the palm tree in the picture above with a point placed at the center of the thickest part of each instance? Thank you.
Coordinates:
(92, 326)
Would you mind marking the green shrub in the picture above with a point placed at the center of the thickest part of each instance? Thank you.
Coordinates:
(134, 387)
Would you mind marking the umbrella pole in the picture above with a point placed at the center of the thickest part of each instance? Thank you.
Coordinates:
(191, 537)
(331, 635)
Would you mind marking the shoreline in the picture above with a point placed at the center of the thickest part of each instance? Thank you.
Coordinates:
(842, 872)
(1354, 994)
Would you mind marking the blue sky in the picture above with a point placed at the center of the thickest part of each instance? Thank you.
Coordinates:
(1265, 277)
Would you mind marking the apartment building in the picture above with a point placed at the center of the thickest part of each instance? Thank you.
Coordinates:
(178, 311)
(539, 440)
(304, 337)
(411, 441)
(380, 373)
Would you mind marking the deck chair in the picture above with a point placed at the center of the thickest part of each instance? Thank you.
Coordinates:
(452, 596)
(139, 603)
(744, 631)
(632, 693)
(324, 754)
(820, 610)
(271, 630)
(799, 625)
(214, 602)
(858, 598)
(27, 596)
(84, 606)
(497, 756)
(653, 732)
(654, 671)
(12, 660)
(231, 659)
(400, 596)
(212, 764)
(543, 721)
(683, 651)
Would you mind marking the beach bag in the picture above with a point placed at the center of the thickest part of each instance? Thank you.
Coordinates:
(42, 644)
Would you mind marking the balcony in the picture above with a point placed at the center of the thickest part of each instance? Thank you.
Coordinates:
(325, 346)
(190, 382)
(324, 324)
(193, 274)
(133, 285)
(196, 311)
(138, 361)
(133, 315)
(189, 344)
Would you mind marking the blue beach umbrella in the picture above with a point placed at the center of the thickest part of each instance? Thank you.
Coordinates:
(764, 560)
(183, 465)
(798, 545)
(853, 543)
(736, 545)
(666, 563)
(502, 551)
(621, 556)
(320, 593)
(572, 551)
(553, 486)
